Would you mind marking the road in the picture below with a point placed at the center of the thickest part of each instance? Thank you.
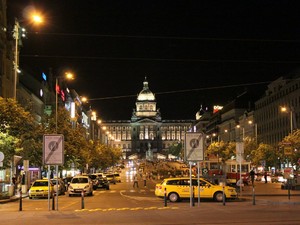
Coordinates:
(123, 204)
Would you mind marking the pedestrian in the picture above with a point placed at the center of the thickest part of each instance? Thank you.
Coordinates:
(266, 176)
(145, 180)
(135, 181)
(240, 184)
(252, 175)
(14, 179)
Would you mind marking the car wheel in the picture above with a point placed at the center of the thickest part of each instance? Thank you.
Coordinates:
(173, 197)
(30, 197)
(218, 196)
(107, 188)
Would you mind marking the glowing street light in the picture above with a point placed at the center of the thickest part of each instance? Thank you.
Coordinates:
(18, 33)
(68, 76)
(38, 19)
(288, 110)
(250, 122)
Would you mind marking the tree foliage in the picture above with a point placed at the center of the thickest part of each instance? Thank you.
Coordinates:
(18, 131)
(14, 120)
(176, 149)
(265, 155)
(223, 150)
(291, 141)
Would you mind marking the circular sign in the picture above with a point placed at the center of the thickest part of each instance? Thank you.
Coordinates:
(205, 171)
(1, 156)
(194, 143)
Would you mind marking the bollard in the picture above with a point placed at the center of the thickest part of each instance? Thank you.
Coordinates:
(20, 206)
(289, 188)
(253, 195)
(223, 198)
(193, 197)
(82, 199)
(165, 197)
(53, 201)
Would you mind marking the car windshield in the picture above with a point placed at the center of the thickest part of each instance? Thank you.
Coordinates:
(40, 183)
(109, 175)
(80, 180)
(93, 177)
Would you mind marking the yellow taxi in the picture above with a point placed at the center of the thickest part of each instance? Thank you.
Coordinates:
(176, 189)
(39, 189)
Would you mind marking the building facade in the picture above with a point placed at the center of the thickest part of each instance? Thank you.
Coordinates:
(273, 124)
(146, 134)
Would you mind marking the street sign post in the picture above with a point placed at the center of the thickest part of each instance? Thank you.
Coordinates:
(53, 149)
(194, 146)
(194, 152)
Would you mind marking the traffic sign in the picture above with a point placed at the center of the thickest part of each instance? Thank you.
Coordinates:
(288, 150)
(194, 146)
(53, 149)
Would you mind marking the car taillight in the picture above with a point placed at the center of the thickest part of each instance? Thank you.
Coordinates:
(158, 187)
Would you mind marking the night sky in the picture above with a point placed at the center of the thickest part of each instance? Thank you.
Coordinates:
(192, 52)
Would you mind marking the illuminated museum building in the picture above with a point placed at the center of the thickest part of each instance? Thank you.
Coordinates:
(146, 135)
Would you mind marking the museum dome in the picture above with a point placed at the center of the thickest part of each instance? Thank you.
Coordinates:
(146, 94)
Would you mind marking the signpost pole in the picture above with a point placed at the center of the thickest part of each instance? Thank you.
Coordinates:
(191, 186)
(194, 152)
(48, 177)
(198, 166)
(53, 154)
(57, 191)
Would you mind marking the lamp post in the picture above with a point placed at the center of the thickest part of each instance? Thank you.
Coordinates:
(18, 33)
(288, 110)
(243, 130)
(68, 76)
(250, 122)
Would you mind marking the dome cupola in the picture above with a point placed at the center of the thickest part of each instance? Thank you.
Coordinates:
(146, 94)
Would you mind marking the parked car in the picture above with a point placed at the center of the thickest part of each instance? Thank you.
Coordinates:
(111, 178)
(117, 177)
(80, 184)
(40, 189)
(179, 188)
(61, 186)
(94, 179)
(102, 182)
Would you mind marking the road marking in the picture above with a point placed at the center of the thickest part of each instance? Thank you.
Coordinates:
(126, 208)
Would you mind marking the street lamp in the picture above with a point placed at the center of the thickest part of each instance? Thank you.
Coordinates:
(243, 130)
(288, 110)
(255, 129)
(68, 76)
(18, 33)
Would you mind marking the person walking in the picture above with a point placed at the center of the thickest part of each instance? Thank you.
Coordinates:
(135, 181)
(145, 179)
(266, 176)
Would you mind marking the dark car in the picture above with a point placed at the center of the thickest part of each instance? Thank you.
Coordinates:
(94, 179)
(102, 182)
(67, 181)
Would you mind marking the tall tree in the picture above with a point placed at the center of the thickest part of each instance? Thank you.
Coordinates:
(16, 127)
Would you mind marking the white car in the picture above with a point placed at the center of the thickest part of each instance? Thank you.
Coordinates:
(79, 185)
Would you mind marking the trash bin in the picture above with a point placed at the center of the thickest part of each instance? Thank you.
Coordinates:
(24, 189)
(11, 190)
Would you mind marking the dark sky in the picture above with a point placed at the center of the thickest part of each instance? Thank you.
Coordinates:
(192, 52)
